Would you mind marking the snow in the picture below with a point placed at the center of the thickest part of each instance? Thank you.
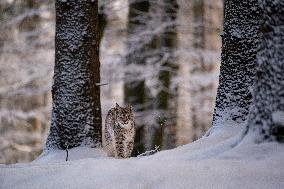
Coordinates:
(210, 162)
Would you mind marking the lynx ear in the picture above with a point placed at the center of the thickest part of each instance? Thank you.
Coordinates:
(116, 105)
(129, 107)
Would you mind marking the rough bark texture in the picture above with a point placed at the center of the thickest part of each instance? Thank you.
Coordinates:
(76, 113)
(239, 47)
(267, 114)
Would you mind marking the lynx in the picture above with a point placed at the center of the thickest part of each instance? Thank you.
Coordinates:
(119, 132)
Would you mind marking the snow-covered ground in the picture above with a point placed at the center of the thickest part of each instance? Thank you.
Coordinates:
(210, 162)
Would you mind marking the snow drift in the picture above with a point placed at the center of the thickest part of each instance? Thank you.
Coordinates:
(210, 162)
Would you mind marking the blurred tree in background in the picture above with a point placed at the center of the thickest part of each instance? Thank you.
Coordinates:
(26, 66)
(160, 56)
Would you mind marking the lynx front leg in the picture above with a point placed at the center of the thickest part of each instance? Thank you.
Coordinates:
(119, 147)
(129, 148)
(119, 151)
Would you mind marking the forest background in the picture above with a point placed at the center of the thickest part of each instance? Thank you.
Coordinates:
(162, 57)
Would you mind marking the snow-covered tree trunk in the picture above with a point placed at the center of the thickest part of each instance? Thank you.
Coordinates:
(76, 112)
(239, 47)
(266, 117)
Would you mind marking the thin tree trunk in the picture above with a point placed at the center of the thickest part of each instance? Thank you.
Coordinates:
(30, 23)
(266, 117)
(134, 91)
(239, 46)
(166, 99)
(208, 17)
(113, 52)
(198, 67)
(76, 112)
(102, 17)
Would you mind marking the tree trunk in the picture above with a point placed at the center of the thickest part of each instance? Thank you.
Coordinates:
(184, 131)
(239, 47)
(166, 98)
(76, 111)
(112, 53)
(134, 91)
(266, 117)
(30, 23)
(102, 23)
(195, 97)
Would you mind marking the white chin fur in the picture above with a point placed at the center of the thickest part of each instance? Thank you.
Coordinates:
(125, 126)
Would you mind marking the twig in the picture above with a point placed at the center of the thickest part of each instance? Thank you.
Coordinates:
(150, 152)
(101, 84)
(66, 154)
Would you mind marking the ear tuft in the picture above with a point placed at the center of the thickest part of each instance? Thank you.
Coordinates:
(129, 107)
(116, 105)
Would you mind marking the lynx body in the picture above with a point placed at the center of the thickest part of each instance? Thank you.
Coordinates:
(119, 132)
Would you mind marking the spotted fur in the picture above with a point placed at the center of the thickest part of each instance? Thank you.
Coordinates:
(119, 132)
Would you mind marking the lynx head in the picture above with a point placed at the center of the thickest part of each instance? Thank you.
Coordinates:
(124, 115)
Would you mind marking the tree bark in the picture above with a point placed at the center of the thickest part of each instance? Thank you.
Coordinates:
(76, 111)
(238, 59)
(266, 117)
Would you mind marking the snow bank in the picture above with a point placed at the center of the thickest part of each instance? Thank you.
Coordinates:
(210, 162)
